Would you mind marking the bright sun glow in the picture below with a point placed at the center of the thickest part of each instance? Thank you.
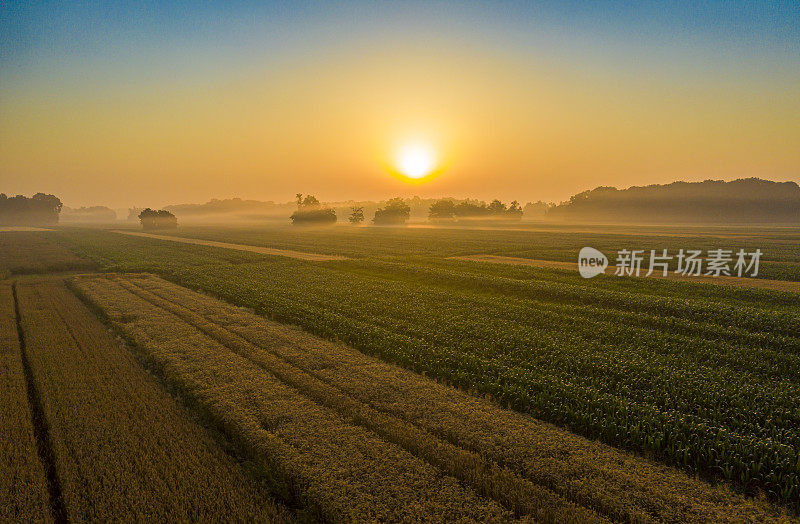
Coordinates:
(415, 160)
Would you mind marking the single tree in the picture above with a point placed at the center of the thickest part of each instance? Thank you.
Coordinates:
(161, 219)
(310, 211)
(395, 212)
(357, 215)
(310, 202)
(515, 210)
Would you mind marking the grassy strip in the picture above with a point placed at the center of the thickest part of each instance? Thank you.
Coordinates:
(614, 483)
(123, 449)
(343, 471)
(23, 485)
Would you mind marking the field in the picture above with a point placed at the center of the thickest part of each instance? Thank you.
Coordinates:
(537, 241)
(23, 485)
(402, 384)
(531, 468)
(24, 252)
(117, 444)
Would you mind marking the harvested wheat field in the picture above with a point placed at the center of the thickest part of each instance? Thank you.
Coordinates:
(23, 484)
(354, 438)
(115, 444)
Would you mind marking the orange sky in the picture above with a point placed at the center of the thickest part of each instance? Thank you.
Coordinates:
(507, 121)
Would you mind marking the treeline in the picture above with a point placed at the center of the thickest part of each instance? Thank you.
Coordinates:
(93, 214)
(38, 210)
(255, 211)
(745, 200)
(397, 211)
(230, 206)
(448, 209)
(310, 211)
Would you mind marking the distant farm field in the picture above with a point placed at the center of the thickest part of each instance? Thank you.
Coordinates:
(536, 241)
(24, 252)
(399, 384)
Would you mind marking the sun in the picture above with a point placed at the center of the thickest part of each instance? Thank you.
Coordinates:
(415, 160)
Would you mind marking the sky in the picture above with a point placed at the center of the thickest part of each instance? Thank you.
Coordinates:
(154, 103)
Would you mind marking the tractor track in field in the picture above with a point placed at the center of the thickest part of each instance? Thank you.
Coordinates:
(41, 427)
(436, 449)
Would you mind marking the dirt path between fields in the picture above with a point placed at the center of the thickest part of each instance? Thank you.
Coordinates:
(7, 229)
(313, 257)
(776, 285)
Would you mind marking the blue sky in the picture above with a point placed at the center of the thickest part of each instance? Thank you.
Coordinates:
(36, 30)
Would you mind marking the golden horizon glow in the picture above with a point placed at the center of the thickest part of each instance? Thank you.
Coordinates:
(335, 127)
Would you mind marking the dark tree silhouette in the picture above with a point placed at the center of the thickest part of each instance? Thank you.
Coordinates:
(310, 202)
(471, 209)
(395, 212)
(38, 210)
(514, 210)
(160, 219)
(357, 216)
(310, 211)
(496, 208)
(746, 200)
(442, 210)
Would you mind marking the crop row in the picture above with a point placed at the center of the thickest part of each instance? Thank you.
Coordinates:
(447, 427)
(683, 392)
(122, 448)
(338, 470)
(680, 303)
